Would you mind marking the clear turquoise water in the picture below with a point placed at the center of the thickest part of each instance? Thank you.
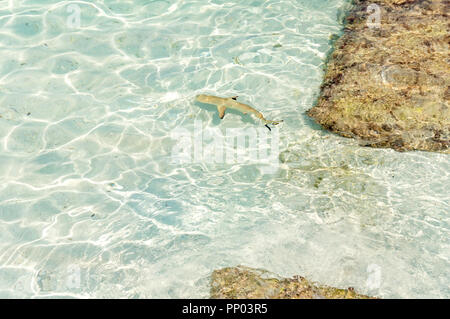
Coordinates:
(92, 206)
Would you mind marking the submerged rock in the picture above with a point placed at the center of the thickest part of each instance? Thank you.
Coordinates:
(247, 283)
(388, 80)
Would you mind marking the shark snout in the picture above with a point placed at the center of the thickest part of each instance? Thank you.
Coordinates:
(202, 98)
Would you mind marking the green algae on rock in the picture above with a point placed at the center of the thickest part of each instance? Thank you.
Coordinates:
(248, 283)
(389, 85)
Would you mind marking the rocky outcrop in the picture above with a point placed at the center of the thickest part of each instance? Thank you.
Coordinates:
(247, 283)
(387, 83)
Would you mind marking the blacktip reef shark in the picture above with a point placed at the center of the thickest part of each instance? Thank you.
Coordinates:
(231, 102)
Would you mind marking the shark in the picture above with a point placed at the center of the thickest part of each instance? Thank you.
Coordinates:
(223, 103)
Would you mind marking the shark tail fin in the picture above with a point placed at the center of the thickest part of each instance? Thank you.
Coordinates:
(221, 109)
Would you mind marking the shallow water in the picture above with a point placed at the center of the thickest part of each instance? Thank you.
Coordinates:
(93, 205)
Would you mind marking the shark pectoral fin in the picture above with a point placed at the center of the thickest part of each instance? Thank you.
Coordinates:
(221, 109)
(276, 122)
